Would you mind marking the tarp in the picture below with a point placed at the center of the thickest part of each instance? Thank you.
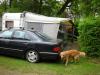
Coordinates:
(31, 17)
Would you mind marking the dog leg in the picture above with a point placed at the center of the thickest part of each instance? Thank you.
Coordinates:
(66, 63)
(76, 58)
(63, 60)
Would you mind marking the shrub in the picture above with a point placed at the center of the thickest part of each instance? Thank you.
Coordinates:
(89, 36)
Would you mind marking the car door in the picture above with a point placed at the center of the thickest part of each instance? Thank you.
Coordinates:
(18, 43)
(5, 37)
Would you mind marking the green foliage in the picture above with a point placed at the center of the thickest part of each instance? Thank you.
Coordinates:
(89, 36)
(3, 7)
(79, 8)
(50, 7)
(44, 7)
(84, 8)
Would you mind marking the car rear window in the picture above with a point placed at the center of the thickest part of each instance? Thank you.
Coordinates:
(43, 36)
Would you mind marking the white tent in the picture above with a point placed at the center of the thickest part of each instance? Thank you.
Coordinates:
(32, 17)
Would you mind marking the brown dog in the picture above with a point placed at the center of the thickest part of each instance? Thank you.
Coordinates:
(71, 55)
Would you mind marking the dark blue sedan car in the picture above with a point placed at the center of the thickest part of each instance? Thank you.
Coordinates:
(29, 44)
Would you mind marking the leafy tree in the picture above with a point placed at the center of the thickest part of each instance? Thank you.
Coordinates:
(45, 7)
(3, 7)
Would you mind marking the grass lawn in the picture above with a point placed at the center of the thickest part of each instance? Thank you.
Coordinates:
(14, 66)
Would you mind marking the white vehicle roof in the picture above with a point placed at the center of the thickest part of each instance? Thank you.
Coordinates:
(32, 17)
(11, 16)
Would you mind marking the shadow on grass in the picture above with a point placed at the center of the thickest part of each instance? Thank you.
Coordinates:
(49, 62)
(23, 59)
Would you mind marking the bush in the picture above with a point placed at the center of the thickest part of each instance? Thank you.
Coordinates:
(89, 36)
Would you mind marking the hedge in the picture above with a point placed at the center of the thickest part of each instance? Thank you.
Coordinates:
(89, 36)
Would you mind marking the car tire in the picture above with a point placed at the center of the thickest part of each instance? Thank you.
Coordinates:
(32, 56)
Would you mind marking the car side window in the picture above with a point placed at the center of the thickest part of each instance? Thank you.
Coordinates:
(6, 34)
(19, 34)
(33, 36)
(27, 37)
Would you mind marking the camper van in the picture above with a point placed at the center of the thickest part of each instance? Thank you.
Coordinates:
(36, 22)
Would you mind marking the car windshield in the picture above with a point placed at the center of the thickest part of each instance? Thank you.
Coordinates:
(43, 36)
(6, 34)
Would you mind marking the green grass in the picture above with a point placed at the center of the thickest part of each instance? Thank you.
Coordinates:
(86, 66)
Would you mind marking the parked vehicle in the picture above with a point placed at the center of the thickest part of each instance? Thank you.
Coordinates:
(28, 20)
(29, 44)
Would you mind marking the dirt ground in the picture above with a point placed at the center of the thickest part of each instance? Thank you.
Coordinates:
(72, 45)
(4, 71)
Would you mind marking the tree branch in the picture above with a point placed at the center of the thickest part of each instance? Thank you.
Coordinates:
(63, 7)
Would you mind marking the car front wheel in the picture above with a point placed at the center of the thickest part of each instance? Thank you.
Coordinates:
(32, 56)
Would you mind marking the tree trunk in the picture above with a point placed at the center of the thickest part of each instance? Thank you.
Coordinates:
(40, 7)
(63, 7)
(10, 3)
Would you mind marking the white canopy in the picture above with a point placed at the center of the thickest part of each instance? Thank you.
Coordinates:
(31, 17)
